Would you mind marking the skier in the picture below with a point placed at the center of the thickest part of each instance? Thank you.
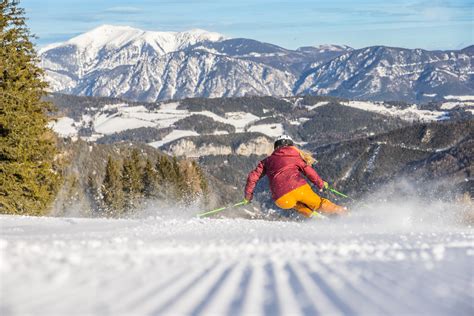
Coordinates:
(284, 169)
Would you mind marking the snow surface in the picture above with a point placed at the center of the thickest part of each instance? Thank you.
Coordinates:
(174, 135)
(64, 126)
(450, 105)
(114, 118)
(118, 36)
(412, 113)
(459, 97)
(179, 265)
(271, 130)
(317, 105)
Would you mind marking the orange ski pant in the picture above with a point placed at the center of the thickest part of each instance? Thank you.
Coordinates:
(305, 201)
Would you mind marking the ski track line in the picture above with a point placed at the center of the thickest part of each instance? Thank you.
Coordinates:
(304, 300)
(347, 291)
(79, 291)
(209, 296)
(189, 291)
(271, 303)
(222, 296)
(367, 291)
(136, 299)
(168, 292)
(323, 299)
(135, 280)
(332, 294)
(292, 302)
(254, 300)
(235, 307)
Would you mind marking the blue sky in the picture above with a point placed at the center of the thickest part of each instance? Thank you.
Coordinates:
(435, 24)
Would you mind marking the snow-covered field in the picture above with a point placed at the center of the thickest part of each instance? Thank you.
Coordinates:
(115, 118)
(187, 266)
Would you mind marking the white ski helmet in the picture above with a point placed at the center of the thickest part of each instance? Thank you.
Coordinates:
(283, 140)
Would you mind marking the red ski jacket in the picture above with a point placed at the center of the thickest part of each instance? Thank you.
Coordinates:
(285, 169)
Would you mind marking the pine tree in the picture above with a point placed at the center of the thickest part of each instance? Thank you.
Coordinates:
(28, 181)
(150, 180)
(180, 181)
(203, 184)
(112, 188)
(132, 180)
(165, 170)
(94, 194)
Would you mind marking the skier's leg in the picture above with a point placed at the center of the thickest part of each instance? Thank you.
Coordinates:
(330, 207)
(307, 197)
(286, 202)
(315, 202)
(303, 209)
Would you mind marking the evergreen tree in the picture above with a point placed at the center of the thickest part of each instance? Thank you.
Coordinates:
(203, 184)
(132, 180)
(28, 181)
(150, 180)
(165, 169)
(112, 188)
(94, 194)
(180, 181)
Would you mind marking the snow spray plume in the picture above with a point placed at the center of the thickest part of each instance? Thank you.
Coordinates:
(408, 206)
(166, 209)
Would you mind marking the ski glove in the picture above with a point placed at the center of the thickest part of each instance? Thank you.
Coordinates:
(324, 187)
(248, 197)
(246, 201)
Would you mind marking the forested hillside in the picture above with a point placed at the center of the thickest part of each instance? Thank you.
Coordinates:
(118, 180)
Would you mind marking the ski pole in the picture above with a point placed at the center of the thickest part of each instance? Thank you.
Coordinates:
(339, 193)
(217, 210)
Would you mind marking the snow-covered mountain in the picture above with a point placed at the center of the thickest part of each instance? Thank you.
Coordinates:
(149, 66)
(108, 46)
(387, 73)
(120, 61)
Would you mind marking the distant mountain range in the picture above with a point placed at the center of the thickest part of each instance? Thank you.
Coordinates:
(120, 61)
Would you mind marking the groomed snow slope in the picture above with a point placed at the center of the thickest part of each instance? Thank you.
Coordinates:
(184, 266)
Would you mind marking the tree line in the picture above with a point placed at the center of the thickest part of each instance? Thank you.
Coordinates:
(131, 182)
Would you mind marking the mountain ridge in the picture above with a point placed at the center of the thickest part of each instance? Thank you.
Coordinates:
(151, 66)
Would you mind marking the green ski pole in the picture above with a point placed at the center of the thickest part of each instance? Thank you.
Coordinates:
(339, 193)
(217, 210)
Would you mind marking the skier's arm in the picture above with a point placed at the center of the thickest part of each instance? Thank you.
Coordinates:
(252, 180)
(313, 176)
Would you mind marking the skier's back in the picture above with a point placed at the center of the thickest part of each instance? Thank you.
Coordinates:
(285, 169)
